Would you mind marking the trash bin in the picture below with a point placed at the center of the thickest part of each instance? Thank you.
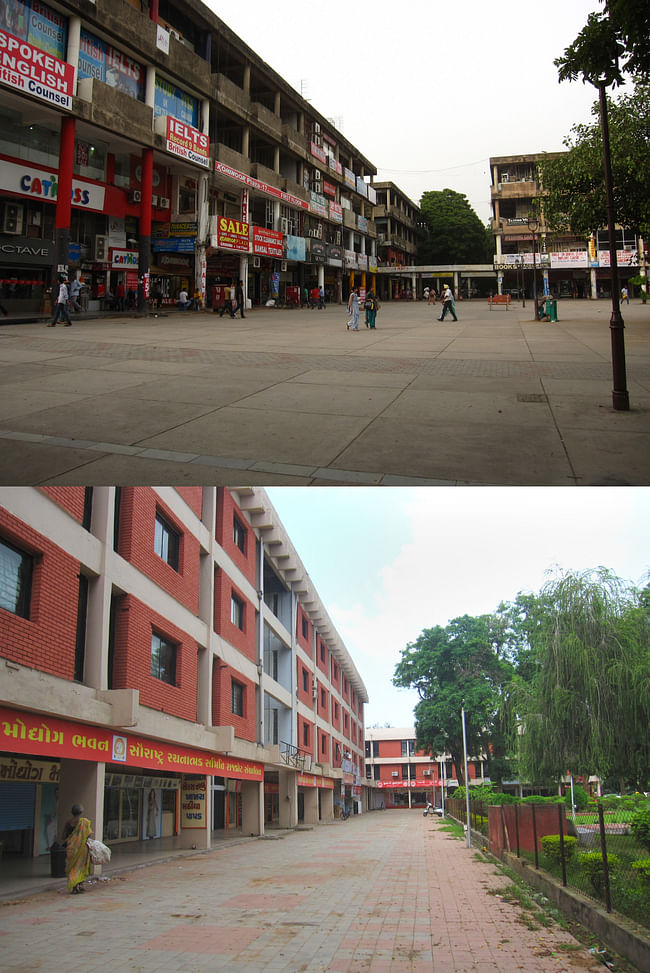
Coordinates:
(57, 860)
(551, 308)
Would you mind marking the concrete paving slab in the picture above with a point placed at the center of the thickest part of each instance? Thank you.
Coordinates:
(34, 463)
(129, 378)
(460, 451)
(270, 435)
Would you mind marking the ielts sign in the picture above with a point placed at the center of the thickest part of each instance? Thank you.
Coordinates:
(187, 142)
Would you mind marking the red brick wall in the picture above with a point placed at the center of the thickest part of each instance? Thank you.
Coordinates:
(324, 751)
(322, 663)
(45, 641)
(245, 639)
(304, 695)
(222, 714)
(302, 723)
(193, 497)
(390, 748)
(226, 511)
(71, 499)
(138, 508)
(134, 624)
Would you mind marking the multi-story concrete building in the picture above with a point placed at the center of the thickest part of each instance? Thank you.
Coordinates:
(396, 221)
(166, 661)
(406, 777)
(566, 264)
(145, 146)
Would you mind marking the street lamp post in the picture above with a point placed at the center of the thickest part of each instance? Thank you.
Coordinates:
(533, 226)
(521, 290)
(468, 839)
(620, 397)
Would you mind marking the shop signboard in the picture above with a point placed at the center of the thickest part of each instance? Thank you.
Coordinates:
(25, 250)
(44, 185)
(336, 212)
(334, 165)
(334, 255)
(362, 186)
(312, 780)
(624, 258)
(350, 259)
(329, 189)
(268, 243)
(372, 265)
(233, 234)
(32, 733)
(296, 248)
(317, 251)
(262, 187)
(193, 803)
(187, 142)
(569, 259)
(349, 178)
(318, 204)
(174, 245)
(32, 71)
(37, 771)
(121, 259)
(318, 152)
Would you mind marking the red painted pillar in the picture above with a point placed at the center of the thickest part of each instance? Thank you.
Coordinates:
(64, 193)
(145, 228)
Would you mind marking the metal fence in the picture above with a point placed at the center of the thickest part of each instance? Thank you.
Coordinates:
(596, 852)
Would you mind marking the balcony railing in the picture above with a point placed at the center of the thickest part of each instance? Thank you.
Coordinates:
(294, 756)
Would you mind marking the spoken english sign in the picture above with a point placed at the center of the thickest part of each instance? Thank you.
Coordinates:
(32, 71)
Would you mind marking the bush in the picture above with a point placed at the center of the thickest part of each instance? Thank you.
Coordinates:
(551, 847)
(640, 826)
(642, 869)
(591, 863)
(538, 799)
(580, 796)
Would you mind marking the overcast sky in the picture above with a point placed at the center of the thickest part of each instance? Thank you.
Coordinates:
(389, 562)
(428, 91)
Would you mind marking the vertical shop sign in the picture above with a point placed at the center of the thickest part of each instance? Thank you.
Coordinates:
(193, 803)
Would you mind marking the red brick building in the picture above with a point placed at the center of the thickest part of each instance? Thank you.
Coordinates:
(167, 663)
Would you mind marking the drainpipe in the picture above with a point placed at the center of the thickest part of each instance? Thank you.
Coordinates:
(260, 646)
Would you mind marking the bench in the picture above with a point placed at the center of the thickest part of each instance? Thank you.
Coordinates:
(499, 299)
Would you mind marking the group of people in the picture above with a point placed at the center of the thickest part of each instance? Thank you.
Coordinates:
(67, 297)
(233, 300)
(370, 306)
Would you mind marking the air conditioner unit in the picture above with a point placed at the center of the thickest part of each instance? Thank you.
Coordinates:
(505, 177)
(395, 773)
(101, 249)
(319, 232)
(134, 196)
(283, 265)
(13, 218)
(317, 175)
(163, 202)
(316, 128)
(284, 225)
(427, 773)
(155, 201)
(256, 261)
(314, 692)
(337, 238)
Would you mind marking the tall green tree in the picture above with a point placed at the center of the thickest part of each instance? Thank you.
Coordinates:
(584, 701)
(460, 664)
(454, 233)
(573, 182)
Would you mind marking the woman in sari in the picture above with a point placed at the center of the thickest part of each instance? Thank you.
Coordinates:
(77, 857)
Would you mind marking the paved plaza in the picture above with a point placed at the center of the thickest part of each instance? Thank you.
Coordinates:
(388, 892)
(292, 397)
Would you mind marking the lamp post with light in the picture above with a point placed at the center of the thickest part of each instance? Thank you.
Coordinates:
(533, 226)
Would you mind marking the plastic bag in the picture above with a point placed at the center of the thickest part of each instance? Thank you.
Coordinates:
(100, 854)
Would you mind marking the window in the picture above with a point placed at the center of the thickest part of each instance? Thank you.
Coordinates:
(405, 772)
(305, 627)
(166, 542)
(237, 698)
(323, 699)
(305, 680)
(408, 746)
(239, 534)
(237, 612)
(375, 748)
(305, 735)
(163, 659)
(323, 744)
(336, 711)
(322, 652)
(15, 580)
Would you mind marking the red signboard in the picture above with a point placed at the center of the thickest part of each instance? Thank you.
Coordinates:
(52, 737)
(187, 142)
(267, 243)
(30, 70)
(408, 783)
(263, 187)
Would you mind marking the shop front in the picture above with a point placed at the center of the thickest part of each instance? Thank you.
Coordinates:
(133, 788)
(25, 268)
(407, 793)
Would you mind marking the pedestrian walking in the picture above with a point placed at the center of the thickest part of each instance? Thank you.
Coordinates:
(239, 299)
(61, 307)
(76, 832)
(372, 306)
(625, 296)
(75, 291)
(353, 310)
(120, 296)
(321, 298)
(448, 304)
(227, 301)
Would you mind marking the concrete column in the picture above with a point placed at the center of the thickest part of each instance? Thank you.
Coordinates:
(247, 79)
(199, 837)
(82, 782)
(594, 284)
(99, 592)
(150, 87)
(311, 805)
(245, 141)
(243, 276)
(63, 202)
(414, 284)
(321, 275)
(276, 159)
(252, 818)
(288, 798)
(144, 241)
(327, 804)
(277, 103)
(74, 41)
